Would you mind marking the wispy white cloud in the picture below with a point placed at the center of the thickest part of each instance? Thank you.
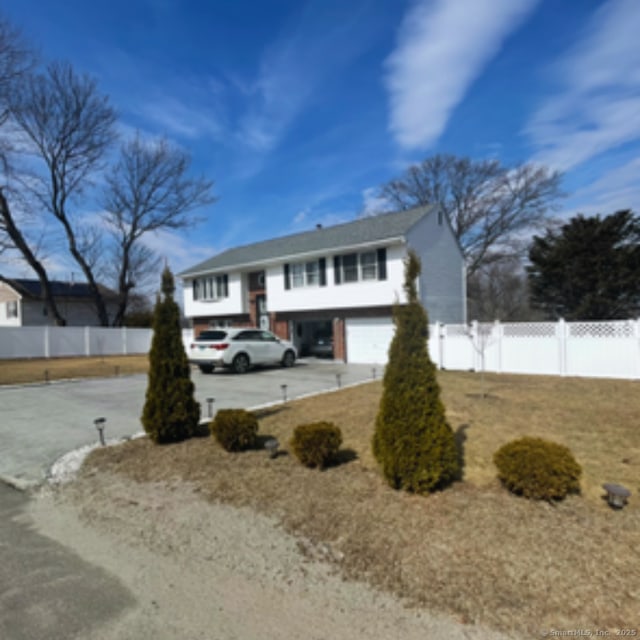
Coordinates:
(618, 188)
(373, 203)
(313, 45)
(598, 105)
(301, 216)
(192, 119)
(442, 47)
(180, 251)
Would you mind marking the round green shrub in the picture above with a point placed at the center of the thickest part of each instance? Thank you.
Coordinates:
(234, 429)
(316, 444)
(539, 469)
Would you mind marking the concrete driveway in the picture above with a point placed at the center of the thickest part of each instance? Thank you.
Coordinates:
(40, 423)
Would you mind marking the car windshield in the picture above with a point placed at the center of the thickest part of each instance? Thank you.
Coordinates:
(212, 335)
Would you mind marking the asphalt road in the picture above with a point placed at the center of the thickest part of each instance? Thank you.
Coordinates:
(46, 590)
(40, 423)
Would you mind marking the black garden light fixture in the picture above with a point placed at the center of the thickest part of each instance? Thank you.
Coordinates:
(99, 425)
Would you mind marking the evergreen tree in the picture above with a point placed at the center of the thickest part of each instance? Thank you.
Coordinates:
(170, 412)
(589, 269)
(413, 442)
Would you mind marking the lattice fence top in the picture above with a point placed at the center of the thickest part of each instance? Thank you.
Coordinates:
(529, 330)
(612, 329)
(457, 330)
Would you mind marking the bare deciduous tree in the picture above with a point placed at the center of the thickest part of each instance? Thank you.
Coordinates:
(69, 126)
(490, 206)
(17, 61)
(148, 190)
(499, 291)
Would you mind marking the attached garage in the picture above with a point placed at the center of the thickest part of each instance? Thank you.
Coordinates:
(368, 339)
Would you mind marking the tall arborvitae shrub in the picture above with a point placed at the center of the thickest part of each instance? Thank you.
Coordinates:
(412, 441)
(170, 411)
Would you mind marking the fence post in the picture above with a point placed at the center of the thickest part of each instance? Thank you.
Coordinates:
(638, 349)
(47, 344)
(562, 346)
(124, 340)
(440, 338)
(498, 336)
(474, 352)
(87, 341)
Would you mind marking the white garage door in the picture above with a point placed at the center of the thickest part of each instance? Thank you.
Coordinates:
(368, 339)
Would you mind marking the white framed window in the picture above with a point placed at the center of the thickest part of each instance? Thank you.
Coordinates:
(305, 274)
(356, 267)
(312, 273)
(369, 266)
(211, 288)
(12, 309)
(297, 275)
(350, 267)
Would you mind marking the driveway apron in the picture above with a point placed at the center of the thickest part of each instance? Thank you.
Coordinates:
(40, 423)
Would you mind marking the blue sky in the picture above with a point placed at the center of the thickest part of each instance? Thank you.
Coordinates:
(299, 109)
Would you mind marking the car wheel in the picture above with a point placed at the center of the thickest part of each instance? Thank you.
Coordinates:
(241, 363)
(288, 359)
(206, 368)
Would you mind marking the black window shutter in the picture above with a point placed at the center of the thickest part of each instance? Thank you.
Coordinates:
(195, 289)
(225, 285)
(287, 279)
(337, 264)
(323, 271)
(382, 264)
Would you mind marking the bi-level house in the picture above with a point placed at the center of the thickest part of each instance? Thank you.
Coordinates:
(341, 280)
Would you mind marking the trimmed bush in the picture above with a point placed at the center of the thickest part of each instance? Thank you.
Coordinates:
(413, 441)
(538, 469)
(170, 412)
(316, 444)
(234, 429)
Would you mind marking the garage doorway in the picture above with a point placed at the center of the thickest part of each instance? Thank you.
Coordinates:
(313, 338)
(368, 340)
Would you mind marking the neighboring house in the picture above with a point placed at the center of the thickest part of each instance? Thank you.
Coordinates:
(22, 303)
(342, 280)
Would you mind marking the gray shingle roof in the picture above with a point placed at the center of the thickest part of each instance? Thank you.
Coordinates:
(362, 231)
(59, 289)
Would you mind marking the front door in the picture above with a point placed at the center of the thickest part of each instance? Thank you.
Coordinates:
(261, 312)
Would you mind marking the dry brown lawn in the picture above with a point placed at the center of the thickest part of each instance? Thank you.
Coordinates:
(473, 550)
(23, 371)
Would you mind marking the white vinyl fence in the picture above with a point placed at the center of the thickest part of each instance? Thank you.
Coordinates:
(595, 349)
(55, 342)
(591, 349)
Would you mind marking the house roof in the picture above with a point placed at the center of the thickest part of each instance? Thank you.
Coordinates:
(60, 289)
(350, 234)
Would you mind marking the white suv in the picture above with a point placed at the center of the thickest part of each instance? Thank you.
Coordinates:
(240, 349)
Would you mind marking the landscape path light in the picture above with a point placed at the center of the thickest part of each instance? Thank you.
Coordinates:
(339, 380)
(284, 392)
(210, 402)
(616, 494)
(271, 445)
(99, 424)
